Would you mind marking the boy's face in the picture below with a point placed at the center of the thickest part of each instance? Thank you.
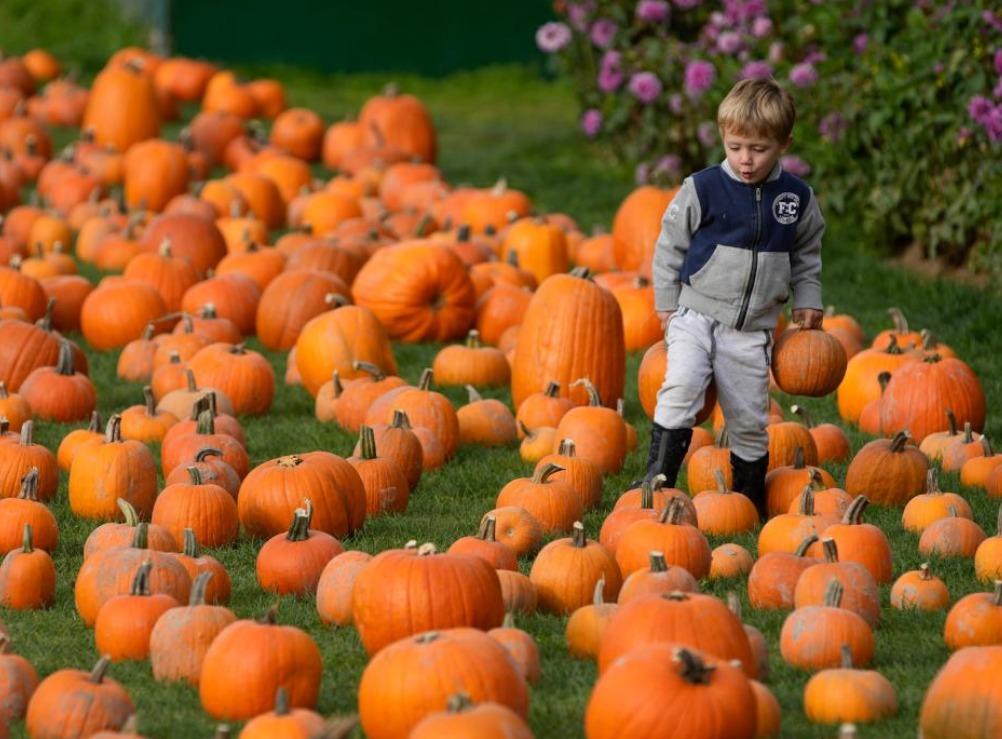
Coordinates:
(752, 157)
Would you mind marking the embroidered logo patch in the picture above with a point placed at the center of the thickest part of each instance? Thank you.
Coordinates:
(673, 211)
(786, 208)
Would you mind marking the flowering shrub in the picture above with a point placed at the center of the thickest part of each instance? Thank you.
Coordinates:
(899, 101)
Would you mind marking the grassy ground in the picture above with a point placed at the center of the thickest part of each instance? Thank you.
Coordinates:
(507, 123)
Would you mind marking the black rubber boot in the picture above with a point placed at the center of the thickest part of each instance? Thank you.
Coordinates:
(749, 478)
(667, 450)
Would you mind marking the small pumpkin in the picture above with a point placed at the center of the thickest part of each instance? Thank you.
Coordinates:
(124, 623)
(920, 589)
(565, 572)
(78, 703)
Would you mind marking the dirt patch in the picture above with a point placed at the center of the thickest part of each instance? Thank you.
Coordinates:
(913, 258)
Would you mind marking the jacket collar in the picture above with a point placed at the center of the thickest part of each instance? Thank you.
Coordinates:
(777, 170)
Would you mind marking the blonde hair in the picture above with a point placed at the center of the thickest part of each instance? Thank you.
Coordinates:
(758, 107)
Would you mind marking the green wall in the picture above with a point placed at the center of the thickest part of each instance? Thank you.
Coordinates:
(432, 37)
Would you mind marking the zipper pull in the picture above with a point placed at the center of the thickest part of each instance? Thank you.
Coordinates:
(758, 194)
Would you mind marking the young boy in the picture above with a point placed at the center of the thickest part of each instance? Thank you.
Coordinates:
(737, 241)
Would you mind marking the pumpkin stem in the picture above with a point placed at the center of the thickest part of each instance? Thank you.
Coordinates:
(270, 616)
(189, 377)
(892, 346)
(488, 529)
(673, 512)
(26, 429)
(899, 440)
(141, 536)
(410, 544)
(45, 322)
(427, 375)
(997, 596)
(281, 701)
(367, 442)
(472, 395)
(567, 448)
(508, 622)
(427, 549)
(816, 481)
(473, 339)
(4, 426)
(968, 437)
(151, 405)
(598, 597)
(300, 528)
(830, 548)
(206, 423)
(951, 420)
(552, 389)
(3, 390)
(26, 539)
(647, 494)
(807, 543)
(799, 410)
(100, 668)
(141, 580)
(336, 387)
(693, 670)
(847, 731)
(833, 593)
(290, 460)
(95, 422)
(807, 501)
(581, 272)
(174, 357)
(854, 513)
(369, 368)
(718, 475)
(798, 458)
(400, 420)
(952, 510)
(195, 475)
(657, 561)
(29, 485)
(207, 452)
(458, 703)
(998, 523)
(131, 517)
(846, 657)
(544, 473)
(932, 482)
(734, 603)
(593, 397)
(64, 365)
(113, 431)
(578, 538)
(900, 322)
(191, 547)
(986, 446)
(925, 571)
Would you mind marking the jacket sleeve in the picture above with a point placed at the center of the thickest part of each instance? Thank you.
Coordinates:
(680, 220)
(805, 258)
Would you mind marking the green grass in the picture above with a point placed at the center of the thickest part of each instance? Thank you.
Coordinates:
(506, 122)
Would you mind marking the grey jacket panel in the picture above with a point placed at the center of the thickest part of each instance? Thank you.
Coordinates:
(799, 271)
(680, 219)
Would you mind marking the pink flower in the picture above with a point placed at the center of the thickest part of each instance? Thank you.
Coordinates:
(860, 42)
(675, 103)
(642, 173)
(610, 75)
(552, 37)
(979, 108)
(687, 4)
(718, 20)
(591, 122)
(706, 132)
(602, 32)
(729, 42)
(998, 61)
(795, 165)
(813, 57)
(699, 77)
(993, 123)
(832, 126)
(653, 11)
(645, 87)
(578, 13)
(992, 20)
(776, 52)
(756, 70)
(997, 92)
(669, 164)
(761, 27)
(803, 75)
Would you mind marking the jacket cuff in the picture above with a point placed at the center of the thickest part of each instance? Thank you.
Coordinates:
(806, 296)
(666, 298)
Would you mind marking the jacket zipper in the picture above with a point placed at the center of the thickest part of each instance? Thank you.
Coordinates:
(754, 265)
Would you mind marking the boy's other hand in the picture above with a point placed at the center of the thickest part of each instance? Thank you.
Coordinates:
(665, 317)
(808, 317)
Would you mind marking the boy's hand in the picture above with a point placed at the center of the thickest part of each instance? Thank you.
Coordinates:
(808, 317)
(665, 317)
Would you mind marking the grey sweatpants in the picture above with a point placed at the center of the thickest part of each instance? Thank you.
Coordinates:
(699, 349)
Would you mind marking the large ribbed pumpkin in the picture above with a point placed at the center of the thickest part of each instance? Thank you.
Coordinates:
(571, 329)
(338, 338)
(964, 700)
(919, 394)
(406, 591)
(419, 290)
(122, 107)
(636, 226)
